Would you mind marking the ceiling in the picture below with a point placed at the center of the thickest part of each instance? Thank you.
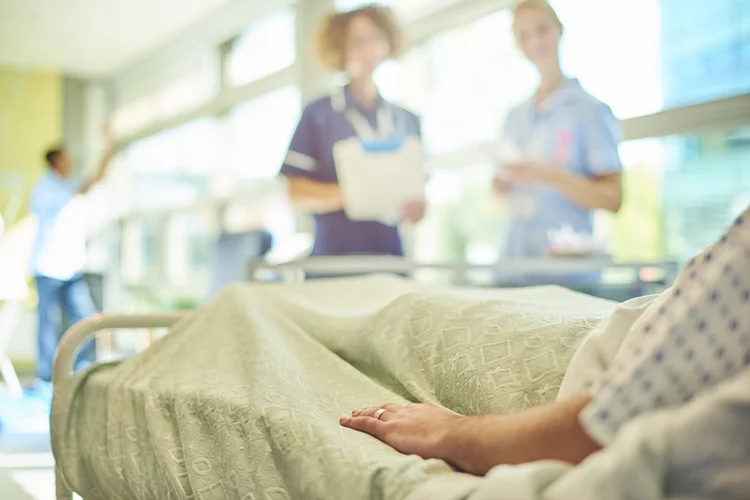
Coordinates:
(91, 38)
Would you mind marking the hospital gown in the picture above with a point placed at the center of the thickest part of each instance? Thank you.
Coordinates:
(697, 337)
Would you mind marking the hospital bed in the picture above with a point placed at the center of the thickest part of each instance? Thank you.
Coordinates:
(116, 427)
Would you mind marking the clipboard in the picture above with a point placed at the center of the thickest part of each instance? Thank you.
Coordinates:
(378, 177)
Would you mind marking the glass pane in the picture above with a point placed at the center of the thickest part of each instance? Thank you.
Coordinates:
(133, 117)
(685, 52)
(464, 219)
(613, 64)
(705, 50)
(459, 81)
(267, 47)
(172, 168)
(189, 252)
(141, 251)
(705, 184)
(183, 95)
(260, 131)
(192, 81)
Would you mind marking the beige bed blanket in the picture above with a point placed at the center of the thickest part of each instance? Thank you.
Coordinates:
(242, 400)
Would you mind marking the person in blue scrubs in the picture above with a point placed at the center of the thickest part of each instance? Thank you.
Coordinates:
(59, 257)
(354, 42)
(569, 163)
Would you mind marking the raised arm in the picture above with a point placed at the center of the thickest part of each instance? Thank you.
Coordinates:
(101, 169)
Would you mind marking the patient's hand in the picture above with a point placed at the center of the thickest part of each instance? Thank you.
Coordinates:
(479, 443)
(415, 429)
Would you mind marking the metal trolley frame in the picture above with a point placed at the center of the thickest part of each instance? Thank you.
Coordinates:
(295, 271)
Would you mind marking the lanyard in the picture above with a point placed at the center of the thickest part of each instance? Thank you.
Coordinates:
(365, 131)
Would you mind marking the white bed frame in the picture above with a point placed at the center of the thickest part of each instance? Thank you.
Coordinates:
(84, 331)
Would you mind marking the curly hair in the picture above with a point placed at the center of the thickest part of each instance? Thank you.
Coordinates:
(331, 38)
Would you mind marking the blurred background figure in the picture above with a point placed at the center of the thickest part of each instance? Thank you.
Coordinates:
(59, 257)
(569, 163)
(356, 43)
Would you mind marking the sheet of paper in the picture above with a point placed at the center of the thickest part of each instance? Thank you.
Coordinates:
(376, 185)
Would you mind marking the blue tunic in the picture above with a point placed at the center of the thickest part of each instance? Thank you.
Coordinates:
(574, 131)
(322, 125)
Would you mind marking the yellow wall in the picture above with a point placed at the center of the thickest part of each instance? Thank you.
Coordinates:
(30, 122)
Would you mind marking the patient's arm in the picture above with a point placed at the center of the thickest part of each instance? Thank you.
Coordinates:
(549, 432)
(477, 444)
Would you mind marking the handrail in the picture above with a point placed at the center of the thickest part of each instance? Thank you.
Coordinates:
(361, 264)
(85, 330)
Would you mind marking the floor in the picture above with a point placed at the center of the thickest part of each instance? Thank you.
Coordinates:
(26, 462)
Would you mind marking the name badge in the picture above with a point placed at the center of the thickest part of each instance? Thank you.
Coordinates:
(385, 145)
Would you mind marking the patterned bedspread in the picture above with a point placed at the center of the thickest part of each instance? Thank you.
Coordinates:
(242, 399)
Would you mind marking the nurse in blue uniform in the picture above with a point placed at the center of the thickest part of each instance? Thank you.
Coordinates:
(568, 164)
(354, 42)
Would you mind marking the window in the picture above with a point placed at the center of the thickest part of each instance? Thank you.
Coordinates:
(173, 168)
(705, 51)
(267, 47)
(260, 131)
(133, 117)
(189, 246)
(705, 185)
(182, 95)
(182, 85)
(463, 82)
(141, 251)
(601, 49)
(465, 219)
(684, 52)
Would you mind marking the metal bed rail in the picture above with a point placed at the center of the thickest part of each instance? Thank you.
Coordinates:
(366, 264)
(87, 329)
(82, 332)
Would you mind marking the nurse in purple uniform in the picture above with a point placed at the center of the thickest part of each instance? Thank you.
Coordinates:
(354, 42)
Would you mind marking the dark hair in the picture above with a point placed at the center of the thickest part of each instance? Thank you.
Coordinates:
(52, 154)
